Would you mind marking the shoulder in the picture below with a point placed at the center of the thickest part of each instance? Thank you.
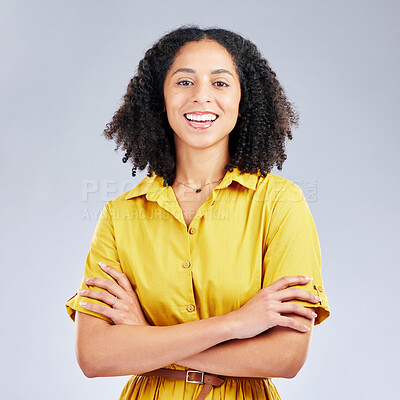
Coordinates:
(122, 206)
(274, 188)
(142, 187)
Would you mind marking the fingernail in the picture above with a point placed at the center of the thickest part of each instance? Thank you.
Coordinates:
(317, 298)
(82, 303)
(306, 327)
(80, 291)
(102, 265)
(309, 278)
(314, 315)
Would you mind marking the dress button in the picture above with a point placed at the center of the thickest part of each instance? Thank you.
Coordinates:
(192, 231)
(186, 264)
(321, 289)
(190, 307)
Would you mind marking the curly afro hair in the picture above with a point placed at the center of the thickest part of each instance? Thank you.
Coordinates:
(257, 141)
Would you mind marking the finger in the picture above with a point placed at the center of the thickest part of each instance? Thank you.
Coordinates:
(287, 281)
(107, 284)
(121, 278)
(292, 323)
(101, 295)
(99, 309)
(298, 294)
(289, 308)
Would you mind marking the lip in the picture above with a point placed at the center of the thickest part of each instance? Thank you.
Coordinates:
(200, 125)
(201, 112)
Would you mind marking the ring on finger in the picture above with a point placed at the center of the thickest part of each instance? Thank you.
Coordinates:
(115, 299)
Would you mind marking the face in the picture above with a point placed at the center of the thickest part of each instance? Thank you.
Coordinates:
(202, 95)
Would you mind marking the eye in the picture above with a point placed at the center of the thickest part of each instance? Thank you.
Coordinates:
(184, 83)
(223, 84)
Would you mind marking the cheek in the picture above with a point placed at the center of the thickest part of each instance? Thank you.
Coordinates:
(237, 99)
(230, 101)
(173, 110)
(173, 116)
(232, 104)
(174, 102)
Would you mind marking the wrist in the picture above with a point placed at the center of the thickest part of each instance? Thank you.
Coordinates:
(227, 326)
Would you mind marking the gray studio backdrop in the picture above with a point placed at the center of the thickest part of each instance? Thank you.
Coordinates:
(64, 69)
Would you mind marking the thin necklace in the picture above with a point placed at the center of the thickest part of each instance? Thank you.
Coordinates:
(198, 190)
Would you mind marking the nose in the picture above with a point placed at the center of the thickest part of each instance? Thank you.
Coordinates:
(202, 93)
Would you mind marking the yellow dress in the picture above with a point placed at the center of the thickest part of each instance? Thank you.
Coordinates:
(250, 232)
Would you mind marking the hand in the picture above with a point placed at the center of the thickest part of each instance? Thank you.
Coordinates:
(263, 311)
(125, 307)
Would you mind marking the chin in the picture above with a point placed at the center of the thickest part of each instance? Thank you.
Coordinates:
(199, 139)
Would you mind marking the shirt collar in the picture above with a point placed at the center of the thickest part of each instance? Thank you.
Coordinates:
(152, 186)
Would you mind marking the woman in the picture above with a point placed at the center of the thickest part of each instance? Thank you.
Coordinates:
(210, 264)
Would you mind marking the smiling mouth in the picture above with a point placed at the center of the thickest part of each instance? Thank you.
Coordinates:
(205, 118)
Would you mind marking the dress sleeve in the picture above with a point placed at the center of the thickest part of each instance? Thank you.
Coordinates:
(292, 246)
(102, 248)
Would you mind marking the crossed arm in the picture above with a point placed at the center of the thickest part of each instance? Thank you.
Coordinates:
(131, 346)
(279, 352)
(113, 350)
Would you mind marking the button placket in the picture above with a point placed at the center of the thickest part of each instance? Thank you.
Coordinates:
(203, 209)
(186, 265)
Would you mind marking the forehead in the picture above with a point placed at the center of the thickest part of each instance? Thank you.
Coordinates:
(205, 52)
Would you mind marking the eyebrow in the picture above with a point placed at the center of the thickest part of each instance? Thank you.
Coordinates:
(192, 71)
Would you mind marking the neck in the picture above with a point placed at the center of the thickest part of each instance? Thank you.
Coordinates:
(198, 166)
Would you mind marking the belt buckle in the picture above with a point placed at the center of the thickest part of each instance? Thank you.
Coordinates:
(193, 381)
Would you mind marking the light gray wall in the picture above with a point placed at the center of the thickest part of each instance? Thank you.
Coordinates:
(65, 66)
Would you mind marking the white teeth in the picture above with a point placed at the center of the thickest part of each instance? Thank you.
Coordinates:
(204, 117)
